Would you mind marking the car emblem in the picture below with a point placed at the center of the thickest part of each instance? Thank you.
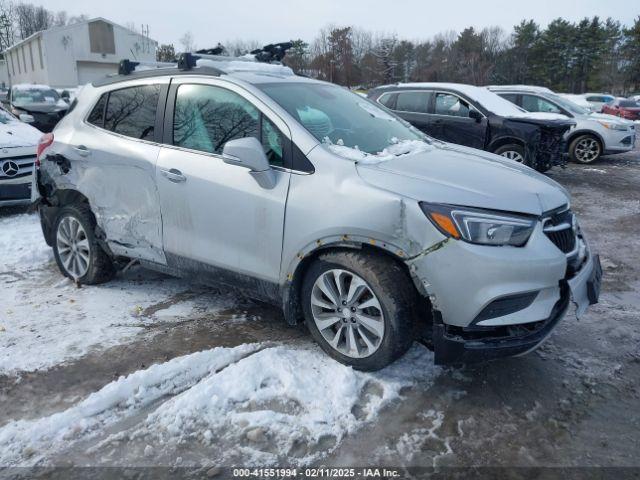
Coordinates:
(10, 169)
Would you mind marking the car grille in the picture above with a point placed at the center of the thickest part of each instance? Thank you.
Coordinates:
(560, 229)
(16, 167)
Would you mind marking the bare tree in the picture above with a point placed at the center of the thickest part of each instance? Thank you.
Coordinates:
(31, 19)
(187, 42)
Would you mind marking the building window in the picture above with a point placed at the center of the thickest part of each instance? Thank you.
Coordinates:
(33, 67)
(40, 53)
(101, 39)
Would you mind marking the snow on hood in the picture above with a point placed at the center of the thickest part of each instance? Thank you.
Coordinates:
(458, 175)
(406, 147)
(15, 133)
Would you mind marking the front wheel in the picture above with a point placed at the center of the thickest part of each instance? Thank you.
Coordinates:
(77, 252)
(360, 308)
(511, 151)
(585, 149)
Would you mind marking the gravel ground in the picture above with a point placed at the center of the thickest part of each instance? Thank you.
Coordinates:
(574, 402)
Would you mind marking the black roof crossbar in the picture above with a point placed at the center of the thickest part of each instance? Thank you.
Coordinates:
(186, 61)
(126, 67)
(272, 52)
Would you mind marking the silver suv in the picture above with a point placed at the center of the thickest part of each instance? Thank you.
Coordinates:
(595, 134)
(306, 195)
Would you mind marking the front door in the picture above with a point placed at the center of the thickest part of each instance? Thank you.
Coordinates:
(454, 122)
(216, 219)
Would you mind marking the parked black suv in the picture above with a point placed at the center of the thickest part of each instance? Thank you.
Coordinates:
(478, 118)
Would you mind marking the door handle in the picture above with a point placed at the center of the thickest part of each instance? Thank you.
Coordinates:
(82, 150)
(174, 175)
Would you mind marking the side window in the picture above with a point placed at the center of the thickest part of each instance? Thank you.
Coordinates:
(416, 102)
(386, 99)
(96, 117)
(272, 142)
(511, 97)
(132, 111)
(532, 103)
(449, 104)
(206, 117)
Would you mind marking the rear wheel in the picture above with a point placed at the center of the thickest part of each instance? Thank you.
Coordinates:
(585, 149)
(360, 308)
(77, 253)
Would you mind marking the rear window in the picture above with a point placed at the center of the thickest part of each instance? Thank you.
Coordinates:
(416, 102)
(96, 117)
(132, 111)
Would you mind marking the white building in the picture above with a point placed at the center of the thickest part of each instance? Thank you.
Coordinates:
(75, 54)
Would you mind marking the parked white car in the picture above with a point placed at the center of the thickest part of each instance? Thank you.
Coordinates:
(595, 134)
(598, 100)
(18, 143)
(578, 100)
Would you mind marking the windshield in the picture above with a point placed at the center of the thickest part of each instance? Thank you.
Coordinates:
(26, 96)
(334, 115)
(627, 103)
(568, 104)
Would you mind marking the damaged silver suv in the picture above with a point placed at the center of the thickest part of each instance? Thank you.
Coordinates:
(303, 194)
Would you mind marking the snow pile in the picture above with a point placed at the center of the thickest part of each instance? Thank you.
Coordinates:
(250, 404)
(20, 440)
(405, 147)
(22, 245)
(46, 320)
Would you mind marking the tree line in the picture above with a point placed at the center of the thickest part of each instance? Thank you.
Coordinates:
(588, 55)
(591, 54)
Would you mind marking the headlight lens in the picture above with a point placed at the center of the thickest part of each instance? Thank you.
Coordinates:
(484, 227)
(613, 126)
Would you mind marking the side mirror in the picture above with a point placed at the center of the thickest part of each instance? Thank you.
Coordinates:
(26, 118)
(248, 153)
(475, 114)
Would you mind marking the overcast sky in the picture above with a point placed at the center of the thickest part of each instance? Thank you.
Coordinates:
(269, 21)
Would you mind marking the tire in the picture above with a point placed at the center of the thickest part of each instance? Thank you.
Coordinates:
(79, 256)
(387, 283)
(585, 149)
(512, 151)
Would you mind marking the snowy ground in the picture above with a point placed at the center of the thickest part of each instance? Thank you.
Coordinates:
(150, 370)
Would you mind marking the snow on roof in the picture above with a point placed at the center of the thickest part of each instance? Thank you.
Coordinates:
(30, 86)
(244, 64)
(485, 98)
(528, 88)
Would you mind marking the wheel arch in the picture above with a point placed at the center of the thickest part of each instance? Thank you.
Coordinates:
(50, 206)
(502, 141)
(292, 288)
(591, 133)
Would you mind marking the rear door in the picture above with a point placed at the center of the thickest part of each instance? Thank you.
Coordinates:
(413, 106)
(217, 221)
(112, 157)
(451, 114)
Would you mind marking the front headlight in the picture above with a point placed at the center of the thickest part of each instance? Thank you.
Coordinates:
(484, 227)
(613, 126)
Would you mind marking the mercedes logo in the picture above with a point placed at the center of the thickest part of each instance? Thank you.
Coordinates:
(10, 169)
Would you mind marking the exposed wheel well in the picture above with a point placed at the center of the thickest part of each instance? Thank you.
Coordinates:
(292, 300)
(506, 141)
(50, 206)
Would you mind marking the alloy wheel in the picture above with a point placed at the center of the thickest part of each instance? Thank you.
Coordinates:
(347, 313)
(513, 155)
(73, 247)
(587, 150)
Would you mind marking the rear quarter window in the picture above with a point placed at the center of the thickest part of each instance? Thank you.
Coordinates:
(132, 111)
(96, 117)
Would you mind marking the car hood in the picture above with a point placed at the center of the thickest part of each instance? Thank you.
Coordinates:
(459, 175)
(18, 134)
(41, 107)
(607, 117)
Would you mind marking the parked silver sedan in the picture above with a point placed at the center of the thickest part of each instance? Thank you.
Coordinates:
(301, 193)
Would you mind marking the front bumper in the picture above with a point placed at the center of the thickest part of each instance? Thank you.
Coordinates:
(620, 141)
(16, 192)
(471, 345)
